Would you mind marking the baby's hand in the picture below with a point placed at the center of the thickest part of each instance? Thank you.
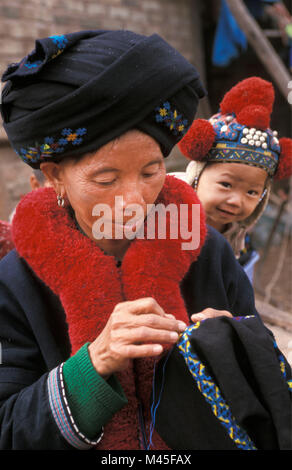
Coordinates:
(209, 313)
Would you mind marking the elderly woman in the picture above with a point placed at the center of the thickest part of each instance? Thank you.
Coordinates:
(85, 314)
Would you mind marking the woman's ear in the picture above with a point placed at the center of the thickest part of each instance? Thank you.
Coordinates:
(54, 174)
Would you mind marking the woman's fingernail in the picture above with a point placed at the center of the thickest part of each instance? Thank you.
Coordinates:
(157, 349)
(174, 336)
(181, 325)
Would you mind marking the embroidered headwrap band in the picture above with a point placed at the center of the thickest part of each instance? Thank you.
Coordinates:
(74, 93)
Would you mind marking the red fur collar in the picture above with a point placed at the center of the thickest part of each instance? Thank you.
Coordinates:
(89, 284)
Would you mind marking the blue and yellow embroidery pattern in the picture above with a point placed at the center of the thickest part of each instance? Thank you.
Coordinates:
(211, 392)
(228, 152)
(171, 119)
(59, 43)
(52, 145)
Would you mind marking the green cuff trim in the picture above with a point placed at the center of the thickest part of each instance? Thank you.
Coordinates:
(92, 400)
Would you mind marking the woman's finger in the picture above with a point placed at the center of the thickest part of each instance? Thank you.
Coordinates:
(210, 313)
(144, 335)
(133, 351)
(151, 321)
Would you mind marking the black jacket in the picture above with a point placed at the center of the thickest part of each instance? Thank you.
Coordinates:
(34, 337)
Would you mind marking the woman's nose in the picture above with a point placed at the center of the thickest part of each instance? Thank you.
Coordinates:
(133, 194)
(131, 201)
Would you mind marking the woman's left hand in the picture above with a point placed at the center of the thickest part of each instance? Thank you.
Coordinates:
(209, 313)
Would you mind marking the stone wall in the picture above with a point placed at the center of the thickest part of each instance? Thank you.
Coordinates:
(23, 21)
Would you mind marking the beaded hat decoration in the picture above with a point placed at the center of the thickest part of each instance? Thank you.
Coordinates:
(75, 92)
(240, 132)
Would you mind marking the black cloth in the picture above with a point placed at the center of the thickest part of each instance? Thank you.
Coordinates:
(237, 367)
(34, 336)
(74, 93)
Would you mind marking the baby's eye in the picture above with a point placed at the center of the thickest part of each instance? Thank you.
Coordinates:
(252, 192)
(225, 184)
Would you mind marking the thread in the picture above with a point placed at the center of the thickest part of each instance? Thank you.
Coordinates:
(153, 406)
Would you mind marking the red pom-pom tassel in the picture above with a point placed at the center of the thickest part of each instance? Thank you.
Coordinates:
(254, 116)
(198, 140)
(285, 162)
(251, 91)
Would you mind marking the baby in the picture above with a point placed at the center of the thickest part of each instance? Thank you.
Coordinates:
(234, 195)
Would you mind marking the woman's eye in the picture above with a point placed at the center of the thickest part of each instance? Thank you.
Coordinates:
(148, 175)
(106, 183)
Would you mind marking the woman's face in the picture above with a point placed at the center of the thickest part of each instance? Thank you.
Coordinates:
(131, 167)
(230, 192)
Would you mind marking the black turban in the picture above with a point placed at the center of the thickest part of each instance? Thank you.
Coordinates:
(74, 93)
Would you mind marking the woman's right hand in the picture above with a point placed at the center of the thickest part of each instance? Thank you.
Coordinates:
(135, 329)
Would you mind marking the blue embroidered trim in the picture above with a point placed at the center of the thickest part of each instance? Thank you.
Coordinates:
(60, 40)
(52, 145)
(31, 65)
(171, 118)
(211, 392)
(62, 414)
(59, 44)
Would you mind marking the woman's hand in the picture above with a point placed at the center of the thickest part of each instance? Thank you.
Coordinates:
(137, 328)
(209, 313)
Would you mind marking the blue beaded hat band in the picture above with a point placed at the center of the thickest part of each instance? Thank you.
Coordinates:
(238, 143)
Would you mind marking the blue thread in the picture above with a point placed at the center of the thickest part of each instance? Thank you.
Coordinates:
(153, 406)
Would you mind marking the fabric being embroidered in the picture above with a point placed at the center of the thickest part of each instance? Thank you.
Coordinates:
(211, 392)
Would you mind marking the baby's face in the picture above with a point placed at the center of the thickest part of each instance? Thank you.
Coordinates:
(230, 192)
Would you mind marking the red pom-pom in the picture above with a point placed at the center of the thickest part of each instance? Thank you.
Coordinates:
(285, 162)
(254, 116)
(253, 90)
(198, 140)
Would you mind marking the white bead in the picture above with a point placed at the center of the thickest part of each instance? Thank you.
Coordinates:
(275, 133)
(258, 143)
(264, 146)
(258, 132)
(245, 131)
(251, 142)
(249, 136)
(252, 130)
(224, 129)
(265, 134)
(276, 141)
(229, 118)
(262, 139)
(243, 140)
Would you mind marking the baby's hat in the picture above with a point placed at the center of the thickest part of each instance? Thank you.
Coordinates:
(240, 132)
